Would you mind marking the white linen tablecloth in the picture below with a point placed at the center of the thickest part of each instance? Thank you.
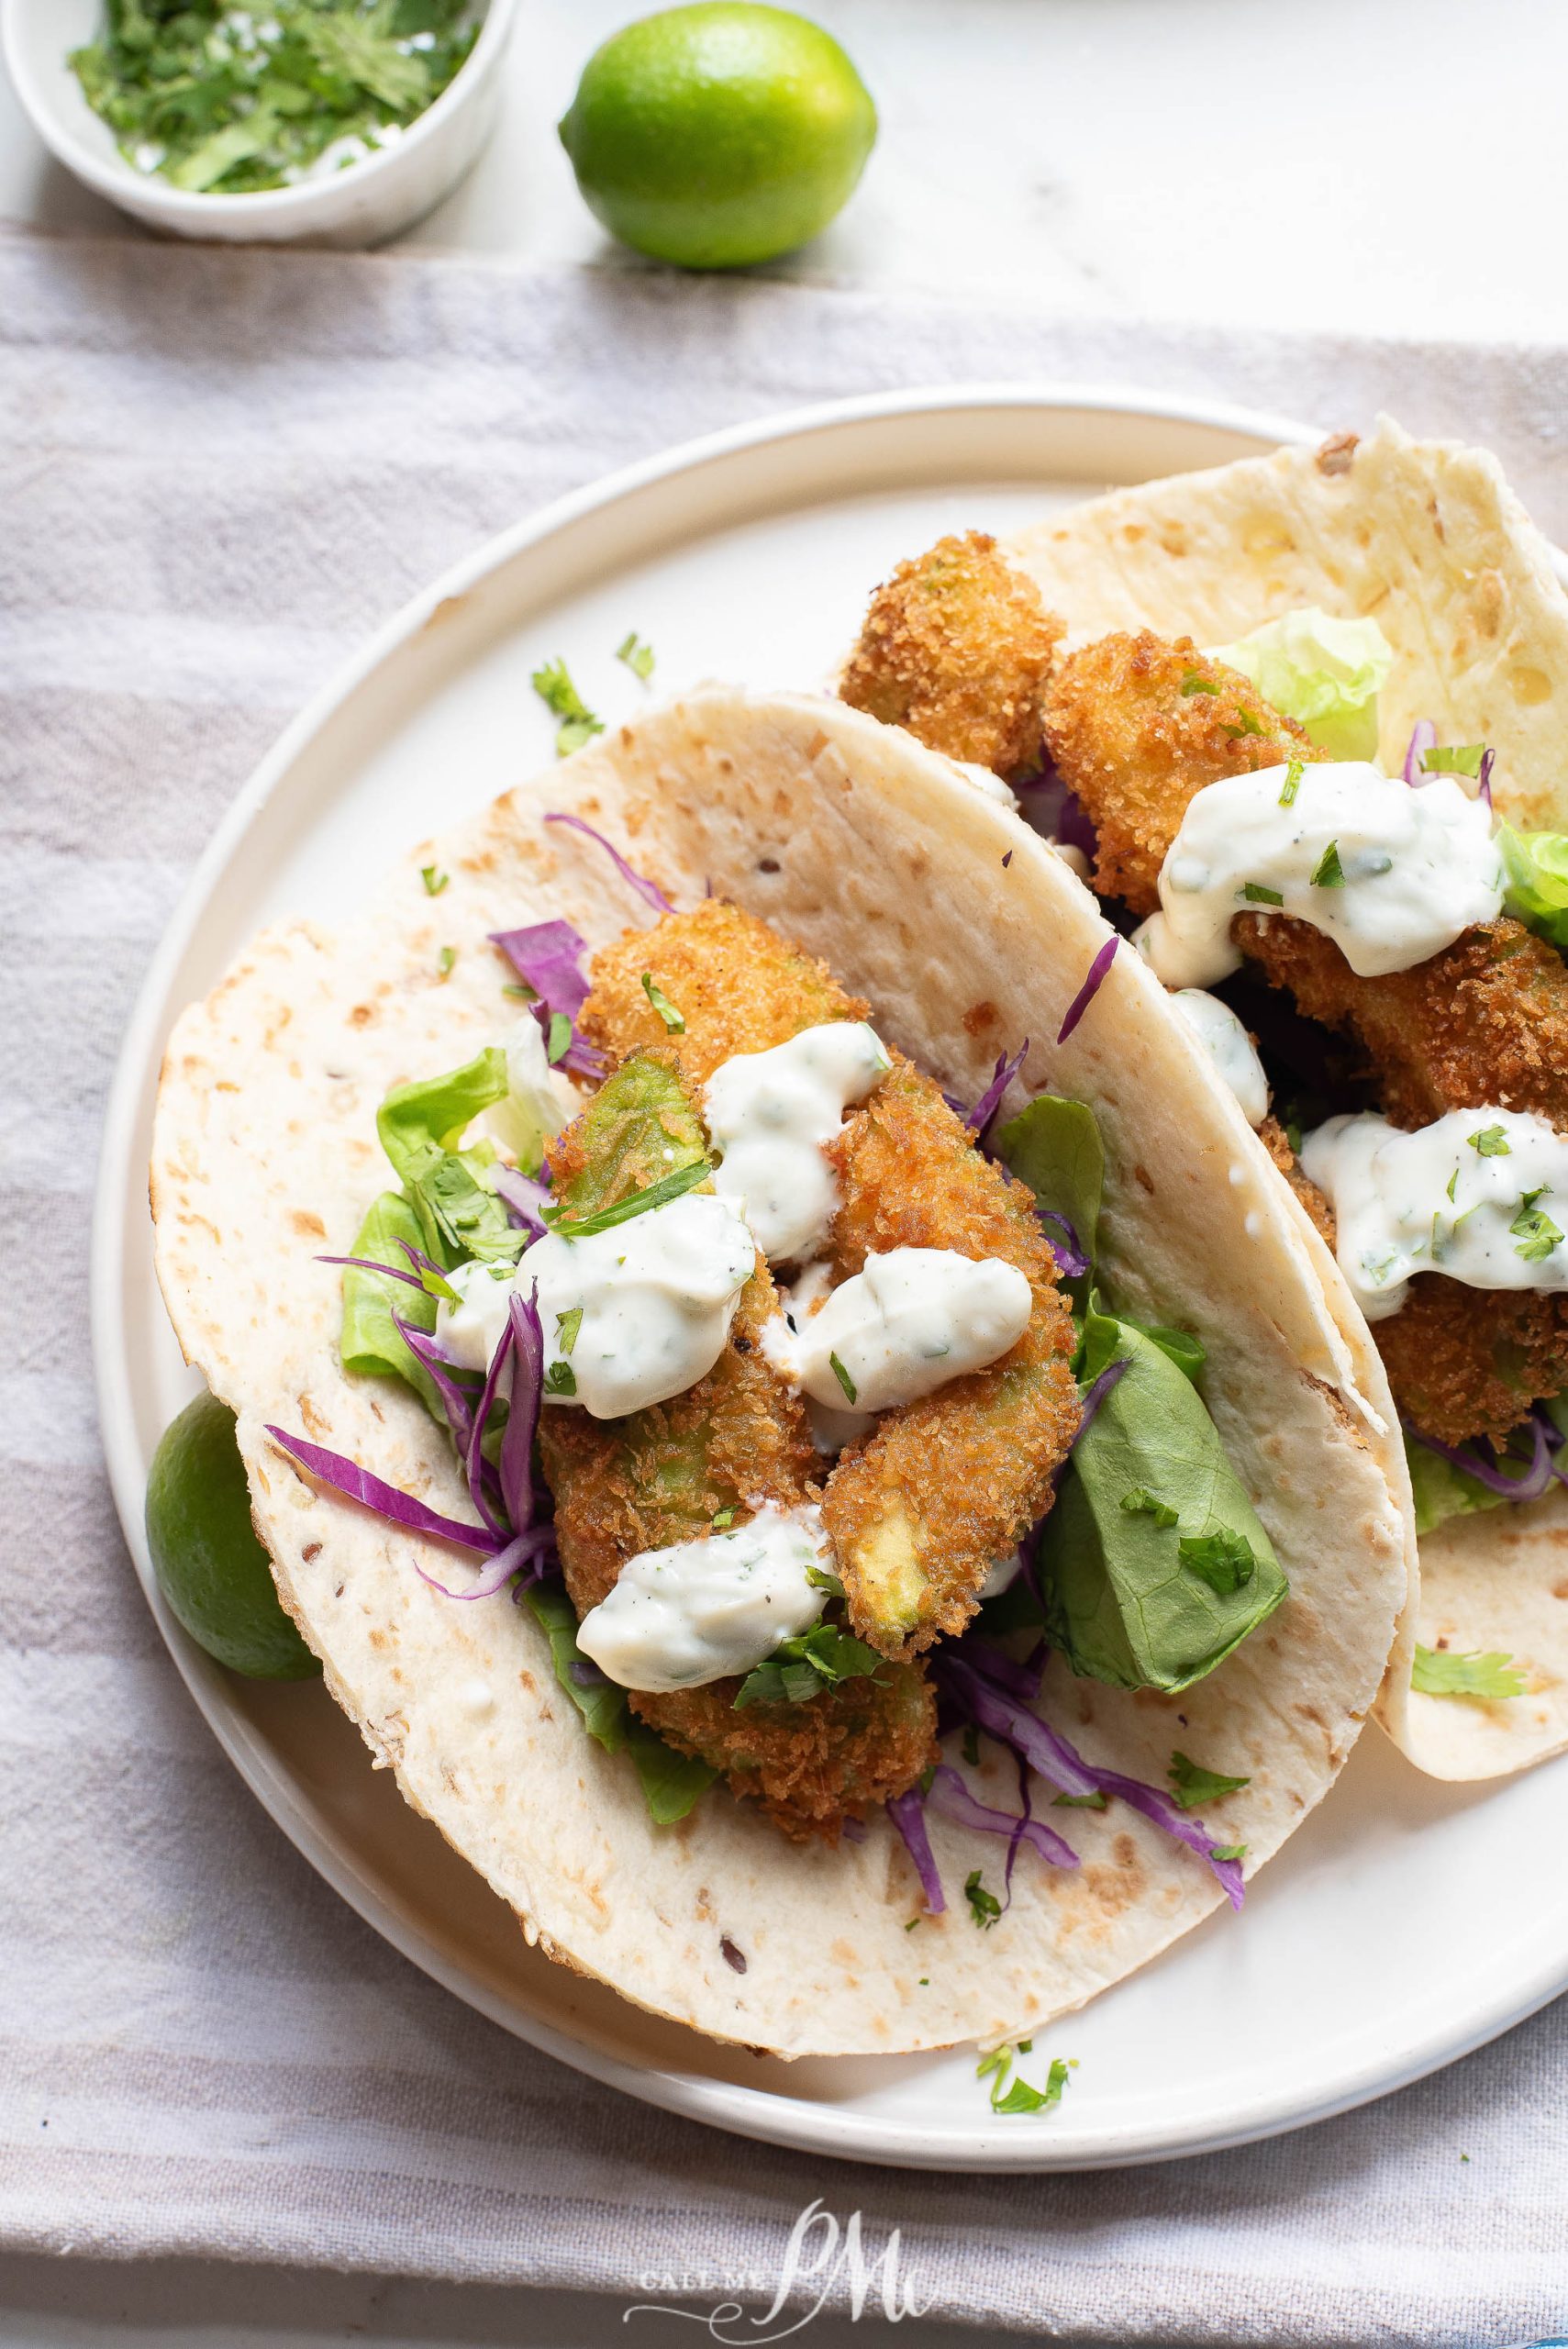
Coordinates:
(216, 472)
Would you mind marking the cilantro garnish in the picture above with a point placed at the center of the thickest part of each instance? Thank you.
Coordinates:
(561, 1379)
(1534, 1233)
(1194, 684)
(801, 1668)
(1020, 2097)
(435, 880)
(1292, 783)
(1445, 1672)
(446, 960)
(1224, 1560)
(1191, 1784)
(726, 1517)
(554, 687)
(1492, 1142)
(1079, 1802)
(820, 1579)
(1452, 1187)
(1141, 1502)
(1256, 895)
(673, 1020)
(983, 1907)
(637, 656)
(1461, 759)
(1228, 1851)
(567, 1325)
(1329, 873)
(213, 99)
(558, 1043)
(842, 1375)
(654, 1194)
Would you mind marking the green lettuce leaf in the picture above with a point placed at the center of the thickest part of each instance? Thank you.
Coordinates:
(670, 1782)
(1534, 869)
(1121, 1603)
(369, 1340)
(421, 1128)
(1325, 673)
(1054, 1146)
(1441, 1490)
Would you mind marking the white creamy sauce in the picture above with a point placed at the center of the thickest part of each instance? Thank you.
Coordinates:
(911, 1321)
(1003, 1575)
(703, 1610)
(771, 1112)
(1441, 1201)
(1228, 1046)
(655, 1296)
(1418, 867)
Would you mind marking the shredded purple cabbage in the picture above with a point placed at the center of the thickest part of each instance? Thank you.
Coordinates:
(474, 1460)
(1019, 1680)
(523, 1197)
(949, 1795)
(1067, 1249)
(368, 1264)
(358, 1484)
(518, 1490)
(1075, 827)
(1097, 1395)
(534, 1549)
(456, 1401)
(586, 1674)
(982, 1117)
(1535, 1476)
(547, 957)
(1423, 738)
(1484, 781)
(648, 890)
(1090, 988)
(854, 1829)
(1164, 1813)
(907, 1812)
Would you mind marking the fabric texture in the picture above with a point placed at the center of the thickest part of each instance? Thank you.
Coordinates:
(217, 473)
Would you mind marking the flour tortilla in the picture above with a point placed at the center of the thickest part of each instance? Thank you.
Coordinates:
(1427, 538)
(887, 861)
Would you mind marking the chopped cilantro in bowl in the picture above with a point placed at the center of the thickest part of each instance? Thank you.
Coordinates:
(233, 101)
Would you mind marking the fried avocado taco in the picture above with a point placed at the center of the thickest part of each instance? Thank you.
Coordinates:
(1299, 722)
(767, 1377)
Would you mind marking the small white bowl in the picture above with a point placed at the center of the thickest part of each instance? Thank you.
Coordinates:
(361, 205)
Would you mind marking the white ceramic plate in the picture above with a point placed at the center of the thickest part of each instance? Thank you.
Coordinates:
(1358, 1964)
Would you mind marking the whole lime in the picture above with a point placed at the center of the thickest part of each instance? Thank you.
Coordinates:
(212, 1569)
(718, 135)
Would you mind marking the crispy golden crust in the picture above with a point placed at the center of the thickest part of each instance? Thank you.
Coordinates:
(957, 647)
(1468, 1361)
(947, 1485)
(1275, 1140)
(1482, 1025)
(739, 987)
(1135, 746)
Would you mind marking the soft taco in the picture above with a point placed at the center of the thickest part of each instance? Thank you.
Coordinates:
(1299, 722)
(796, 1269)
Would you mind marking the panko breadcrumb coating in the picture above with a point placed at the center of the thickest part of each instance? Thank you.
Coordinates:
(736, 1439)
(947, 1485)
(1137, 726)
(944, 1487)
(957, 647)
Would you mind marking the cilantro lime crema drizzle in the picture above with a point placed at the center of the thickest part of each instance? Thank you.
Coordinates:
(770, 1114)
(1391, 873)
(703, 1611)
(631, 1315)
(1228, 1046)
(911, 1321)
(1480, 1196)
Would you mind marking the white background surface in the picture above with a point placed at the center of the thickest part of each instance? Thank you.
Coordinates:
(1364, 166)
(1369, 166)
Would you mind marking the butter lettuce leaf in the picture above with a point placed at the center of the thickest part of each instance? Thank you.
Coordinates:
(370, 1340)
(421, 1128)
(1534, 869)
(1327, 673)
(1441, 1490)
(1121, 1603)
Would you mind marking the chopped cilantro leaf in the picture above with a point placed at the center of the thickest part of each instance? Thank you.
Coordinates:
(435, 880)
(553, 684)
(567, 1325)
(637, 656)
(1492, 1142)
(1078, 1802)
(1139, 1502)
(1452, 1185)
(801, 1668)
(1445, 1672)
(446, 960)
(842, 1375)
(561, 1379)
(1021, 2098)
(1329, 873)
(983, 1907)
(1534, 1233)
(653, 1194)
(1224, 1560)
(1228, 1852)
(726, 1517)
(1191, 1784)
(558, 1043)
(820, 1579)
(1463, 758)
(1256, 895)
(1292, 782)
(662, 1004)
